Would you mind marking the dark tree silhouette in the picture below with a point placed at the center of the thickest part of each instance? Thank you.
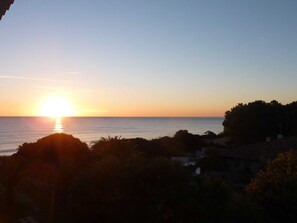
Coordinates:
(253, 122)
(291, 118)
(113, 146)
(4, 6)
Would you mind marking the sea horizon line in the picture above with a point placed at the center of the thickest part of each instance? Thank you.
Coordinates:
(37, 116)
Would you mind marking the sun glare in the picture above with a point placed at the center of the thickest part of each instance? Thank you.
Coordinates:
(57, 107)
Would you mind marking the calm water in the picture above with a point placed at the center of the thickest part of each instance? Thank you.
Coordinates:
(16, 131)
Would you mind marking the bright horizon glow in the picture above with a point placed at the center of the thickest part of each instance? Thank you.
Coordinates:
(57, 107)
(146, 58)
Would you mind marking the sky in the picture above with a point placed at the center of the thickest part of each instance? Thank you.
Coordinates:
(147, 57)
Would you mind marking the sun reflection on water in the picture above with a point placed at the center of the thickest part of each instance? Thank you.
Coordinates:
(58, 125)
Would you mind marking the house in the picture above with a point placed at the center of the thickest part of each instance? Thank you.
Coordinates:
(192, 161)
(185, 160)
(240, 164)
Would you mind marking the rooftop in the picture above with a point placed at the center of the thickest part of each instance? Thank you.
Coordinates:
(262, 151)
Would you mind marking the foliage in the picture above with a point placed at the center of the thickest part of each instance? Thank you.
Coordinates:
(57, 149)
(291, 118)
(209, 135)
(135, 189)
(215, 195)
(182, 142)
(276, 187)
(215, 201)
(117, 180)
(253, 122)
(242, 209)
(53, 160)
(113, 146)
(2, 193)
(188, 142)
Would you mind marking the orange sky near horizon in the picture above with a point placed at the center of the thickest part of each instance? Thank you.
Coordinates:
(110, 103)
(27, 97)
(117, 109)
(146, 58)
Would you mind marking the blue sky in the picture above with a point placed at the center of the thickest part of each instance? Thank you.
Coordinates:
(147, 58)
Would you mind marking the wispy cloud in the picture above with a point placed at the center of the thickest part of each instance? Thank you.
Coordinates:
(52, 89)
(48, 84)
(29, 78)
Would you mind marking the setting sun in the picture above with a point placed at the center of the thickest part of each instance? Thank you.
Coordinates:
(57, 107)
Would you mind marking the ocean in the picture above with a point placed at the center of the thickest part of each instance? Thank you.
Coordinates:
(14, 131)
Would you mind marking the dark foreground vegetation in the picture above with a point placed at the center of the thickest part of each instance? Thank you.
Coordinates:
(185, 178)
(59, 179)
(255, 121)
